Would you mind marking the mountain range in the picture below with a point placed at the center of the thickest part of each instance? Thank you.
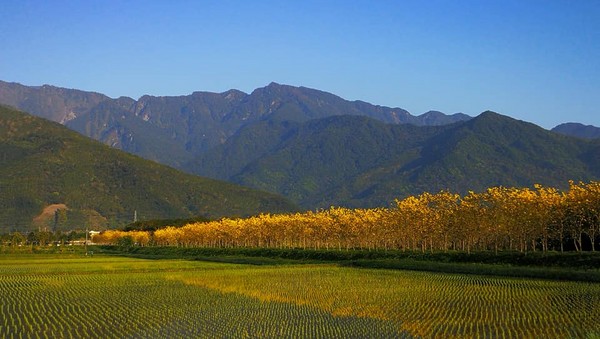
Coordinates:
(315, 148)
(360, 161)
(174, 130)
(52, 177)
(578, 130)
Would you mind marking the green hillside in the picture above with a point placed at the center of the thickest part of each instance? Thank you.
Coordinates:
(489, 150)
(323, 155)
(358, 161)
(493, 149)
(44, 164)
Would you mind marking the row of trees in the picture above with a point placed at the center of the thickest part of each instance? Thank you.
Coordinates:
(498, 219)
(40, 238)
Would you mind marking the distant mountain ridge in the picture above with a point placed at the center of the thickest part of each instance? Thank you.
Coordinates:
(182, 127)
(578, 130)
(45, 165)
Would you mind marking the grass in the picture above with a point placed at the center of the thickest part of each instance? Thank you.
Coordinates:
(72, 295)
(553, 265)
(499, 270)
(111, 297)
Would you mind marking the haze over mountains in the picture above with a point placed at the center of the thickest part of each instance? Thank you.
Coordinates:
(315, 148)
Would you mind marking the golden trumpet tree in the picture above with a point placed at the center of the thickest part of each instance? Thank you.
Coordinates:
(497, 219)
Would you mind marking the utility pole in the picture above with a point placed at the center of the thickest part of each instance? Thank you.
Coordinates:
(135, 216)
(86, 241)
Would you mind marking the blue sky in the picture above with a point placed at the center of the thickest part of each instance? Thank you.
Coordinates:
(535, 60)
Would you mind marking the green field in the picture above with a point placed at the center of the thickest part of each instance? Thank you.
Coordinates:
(73, 296)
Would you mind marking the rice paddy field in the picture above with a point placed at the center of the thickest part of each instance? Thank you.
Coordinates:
(73, 296)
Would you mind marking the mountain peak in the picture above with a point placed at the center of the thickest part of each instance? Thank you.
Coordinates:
(492, 116)
(578, 130)
(272, 87)
(437, 118)
(233, 94)
(489, 113)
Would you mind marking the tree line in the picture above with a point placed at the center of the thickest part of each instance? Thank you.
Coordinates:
(41, 238)
(498, 219)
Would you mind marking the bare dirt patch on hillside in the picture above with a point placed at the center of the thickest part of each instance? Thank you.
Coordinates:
(48, 213)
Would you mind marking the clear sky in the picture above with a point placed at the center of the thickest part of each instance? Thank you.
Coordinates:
(535, 60)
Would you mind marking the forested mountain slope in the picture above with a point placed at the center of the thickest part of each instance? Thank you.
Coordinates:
(44, 164)
(358, 161)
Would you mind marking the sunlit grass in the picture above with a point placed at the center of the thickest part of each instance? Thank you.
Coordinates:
(426, 304)
(113, 297)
